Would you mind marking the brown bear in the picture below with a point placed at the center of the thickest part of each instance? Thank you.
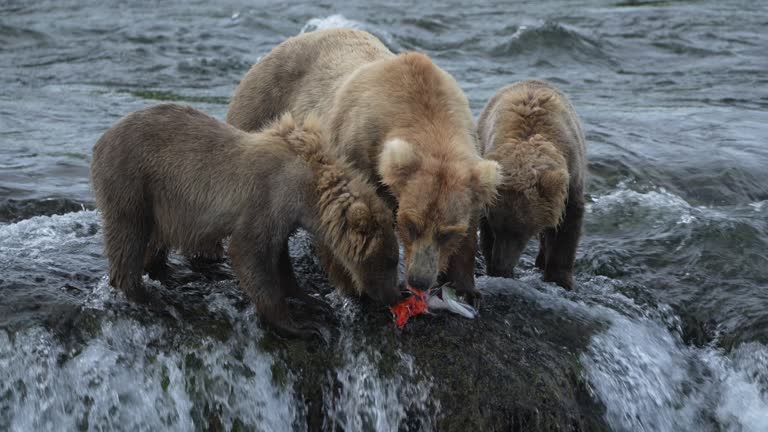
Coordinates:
(170, 176)
(401, 121)
(532, 130)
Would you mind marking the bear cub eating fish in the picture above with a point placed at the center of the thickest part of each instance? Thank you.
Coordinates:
(170, 176)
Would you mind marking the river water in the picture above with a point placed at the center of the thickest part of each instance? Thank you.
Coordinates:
(674, 100)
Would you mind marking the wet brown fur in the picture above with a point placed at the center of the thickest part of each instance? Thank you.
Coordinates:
(532, 130)
(173, 177)
(370, 98)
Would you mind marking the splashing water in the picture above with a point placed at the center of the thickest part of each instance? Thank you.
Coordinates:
(112, 369)
(648, 379)
(329, 22)
(366, 399)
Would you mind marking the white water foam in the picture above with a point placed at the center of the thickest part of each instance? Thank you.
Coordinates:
(671, 206)
(743, 377)
(340, 21)
(658, 200)
(329, 22)
(37, 238)
(366, 398)
(758, 206)
(134, 374)
(131, 375)
(648, 379)
(128, 378)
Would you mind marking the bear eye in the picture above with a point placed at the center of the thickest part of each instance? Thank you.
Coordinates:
(445, 237)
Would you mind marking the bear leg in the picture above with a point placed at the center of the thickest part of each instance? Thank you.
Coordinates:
(541, 258)
(206, 252)
(560, 246)
(258, 270)
(461, 268)
(288, 280)
(486, 241)
(155, 257)
(126, 237)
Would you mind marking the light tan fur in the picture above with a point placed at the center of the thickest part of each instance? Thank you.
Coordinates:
(400, 120)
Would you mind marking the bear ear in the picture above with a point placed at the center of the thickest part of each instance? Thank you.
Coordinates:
(487, 178)
(359, 216)
(553, 185)
(553, 188)
(398, 160)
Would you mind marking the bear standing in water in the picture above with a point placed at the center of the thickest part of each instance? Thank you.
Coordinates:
(172, 177)
(403, 123)
(532, 130)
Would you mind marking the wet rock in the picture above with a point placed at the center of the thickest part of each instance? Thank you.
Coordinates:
(514, 368)
(13, 210)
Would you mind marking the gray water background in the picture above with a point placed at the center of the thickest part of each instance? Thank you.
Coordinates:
(674, 101)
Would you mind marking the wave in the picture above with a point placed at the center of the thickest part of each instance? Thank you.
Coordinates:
(661, 212)
(14, 210)
(657, 206)
(548, 39)
(329, 22)
(340, 21)
(660, 227)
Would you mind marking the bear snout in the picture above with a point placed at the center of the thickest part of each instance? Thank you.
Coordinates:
(419, 283)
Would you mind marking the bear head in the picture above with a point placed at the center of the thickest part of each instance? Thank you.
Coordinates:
(532, 197)
(437, 198)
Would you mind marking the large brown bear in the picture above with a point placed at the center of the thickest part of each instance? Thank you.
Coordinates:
(172, 177)
(532, 130)
(402, 122)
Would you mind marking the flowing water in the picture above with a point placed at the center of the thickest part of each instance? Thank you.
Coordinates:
(674, 100)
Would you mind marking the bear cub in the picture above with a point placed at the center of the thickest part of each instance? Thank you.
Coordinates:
(170, 176)
(532, 130)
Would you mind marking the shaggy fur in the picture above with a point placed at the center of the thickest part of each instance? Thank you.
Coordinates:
(532, 130)
(402, 122)
(172, 177)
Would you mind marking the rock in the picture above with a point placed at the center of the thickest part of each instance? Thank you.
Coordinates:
(515, 367)
(12, 210)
